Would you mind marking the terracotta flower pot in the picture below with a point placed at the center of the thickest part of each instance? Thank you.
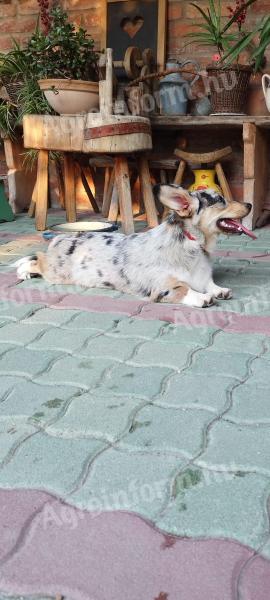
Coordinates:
(70, 96)
(228, 87)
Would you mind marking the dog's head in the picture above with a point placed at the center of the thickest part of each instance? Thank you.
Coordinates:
(206, 210)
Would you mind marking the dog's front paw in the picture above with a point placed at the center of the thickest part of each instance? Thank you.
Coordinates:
(221, 293)
(198, 300)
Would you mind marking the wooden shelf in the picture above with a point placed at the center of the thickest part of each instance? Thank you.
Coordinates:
(214, 121)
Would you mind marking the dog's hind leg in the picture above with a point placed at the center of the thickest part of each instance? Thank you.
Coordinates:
(180, 293)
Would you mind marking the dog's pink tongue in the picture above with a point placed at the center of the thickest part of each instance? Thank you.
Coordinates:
(239, 228)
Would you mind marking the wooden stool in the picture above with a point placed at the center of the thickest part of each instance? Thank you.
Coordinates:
(204, 158)
(116, 135)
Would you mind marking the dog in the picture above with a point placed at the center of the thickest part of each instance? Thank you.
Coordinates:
(170, 263)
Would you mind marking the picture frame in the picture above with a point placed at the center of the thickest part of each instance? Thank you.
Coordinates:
(139, 23)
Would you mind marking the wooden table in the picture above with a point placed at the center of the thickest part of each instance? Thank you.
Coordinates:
(254, 132)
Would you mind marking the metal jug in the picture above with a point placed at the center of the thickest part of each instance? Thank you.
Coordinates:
(175, 90)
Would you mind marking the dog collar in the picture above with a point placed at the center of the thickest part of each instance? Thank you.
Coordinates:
(189, 235)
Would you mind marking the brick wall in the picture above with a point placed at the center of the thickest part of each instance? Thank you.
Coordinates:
(18, 19)
(182, 17)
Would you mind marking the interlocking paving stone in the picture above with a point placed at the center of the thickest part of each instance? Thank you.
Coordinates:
(50, 316)
(152, 429)
(186, 335)
(98, 321)
(63, 340)
(83, 372)
(138, 329)
(145, 382)
(231, 364)
(13, 312)
(233, 342)
(15, 509)
(96, 415)
(247, 448)
(122, 481)
(260, 371)
(165, 354)
(20, 334)
(196, 391)
(176, 568)
(218, 498)
(250, 405)
(49, 463)
(109, 347)
(11, 434)
(26, 362)
(27, 400)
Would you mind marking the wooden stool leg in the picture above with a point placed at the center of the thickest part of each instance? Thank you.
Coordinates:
(70, 193)
(114, 207)
(42, 190)
(108, 190)
(32, 205)
(85, 172)
(147, 193)
(223, 182)
(124, 193)
(180, 172)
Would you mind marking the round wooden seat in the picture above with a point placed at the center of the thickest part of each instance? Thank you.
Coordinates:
(117, 134)
(87, 133)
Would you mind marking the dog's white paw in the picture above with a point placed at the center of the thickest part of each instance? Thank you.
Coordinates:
(198, 300)
(24, 267)
(221, 293)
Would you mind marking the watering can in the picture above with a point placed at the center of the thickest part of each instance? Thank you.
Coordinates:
(174, 89)
(266, 89)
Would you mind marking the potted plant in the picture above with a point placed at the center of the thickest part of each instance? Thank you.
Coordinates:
(237, 55)
(65, 65)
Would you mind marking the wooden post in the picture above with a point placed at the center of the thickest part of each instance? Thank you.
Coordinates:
(124, 193)
(180, 173)
(106, 87)
(223, 182)
(255, 171)
(42, 190)
(146, 187)
(70, 193)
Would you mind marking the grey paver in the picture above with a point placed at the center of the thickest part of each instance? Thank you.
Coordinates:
(218, 505)
(196, 391)
(152, 429)
(241, 447)
(121, 481)
(98, 415)
(83, 372)
(145, 382)
(46, 462)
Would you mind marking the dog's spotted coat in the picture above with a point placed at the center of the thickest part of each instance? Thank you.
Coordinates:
(169, 263)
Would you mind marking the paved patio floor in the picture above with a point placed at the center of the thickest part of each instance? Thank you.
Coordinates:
(134, 438)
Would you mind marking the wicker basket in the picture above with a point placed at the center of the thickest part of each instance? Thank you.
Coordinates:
(229, 88)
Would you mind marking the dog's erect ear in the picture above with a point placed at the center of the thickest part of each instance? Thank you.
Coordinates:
(175, 197)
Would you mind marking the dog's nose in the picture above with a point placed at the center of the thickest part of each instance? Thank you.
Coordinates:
(248, 205)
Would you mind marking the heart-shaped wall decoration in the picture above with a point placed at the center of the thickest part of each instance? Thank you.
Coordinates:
(132, 26)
